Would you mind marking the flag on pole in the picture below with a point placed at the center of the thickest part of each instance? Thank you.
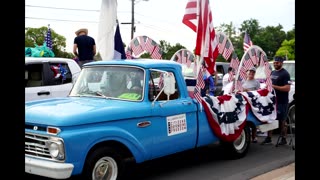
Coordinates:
(206, 43)
(190, 15)
(143, 40)
(157, 53)
(150, 45)
(247, 43)
(107, 22)
(119, 52)
(48, 38)
(136, 47)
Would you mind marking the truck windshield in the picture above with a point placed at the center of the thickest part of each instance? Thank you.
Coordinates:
(117, 82)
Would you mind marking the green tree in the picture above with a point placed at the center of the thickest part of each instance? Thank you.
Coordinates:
(168, 50)
(228, 29)
(251, 26)
(291, 34)
(270, 39)
(287, 49)
(37, 36)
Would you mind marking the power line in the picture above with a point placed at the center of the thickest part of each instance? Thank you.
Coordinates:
(60, 20)
(63, 8)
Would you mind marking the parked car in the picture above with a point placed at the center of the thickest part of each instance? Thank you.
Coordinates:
(289, 65)
(47, 77)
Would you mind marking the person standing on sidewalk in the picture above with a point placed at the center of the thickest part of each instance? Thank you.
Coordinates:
(84, 47)
(281, 84)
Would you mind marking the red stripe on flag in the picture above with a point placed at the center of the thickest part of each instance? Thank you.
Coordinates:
(190, 14)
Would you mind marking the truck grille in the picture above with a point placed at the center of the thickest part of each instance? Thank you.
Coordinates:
(35, 145)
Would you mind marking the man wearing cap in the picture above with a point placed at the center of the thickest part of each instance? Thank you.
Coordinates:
(84, 47)
(281, 84)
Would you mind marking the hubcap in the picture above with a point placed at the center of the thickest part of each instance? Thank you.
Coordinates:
(240, 141)
(105, 169)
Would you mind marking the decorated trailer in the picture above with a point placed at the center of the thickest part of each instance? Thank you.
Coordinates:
(132, 109)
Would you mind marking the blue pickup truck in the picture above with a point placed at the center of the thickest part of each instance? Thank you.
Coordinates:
(115, 111)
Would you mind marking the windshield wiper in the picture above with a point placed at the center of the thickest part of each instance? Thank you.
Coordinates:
(100, 94)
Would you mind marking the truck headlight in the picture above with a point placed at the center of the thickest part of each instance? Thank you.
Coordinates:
(56, 150)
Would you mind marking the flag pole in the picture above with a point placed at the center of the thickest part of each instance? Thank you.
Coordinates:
(199, 58)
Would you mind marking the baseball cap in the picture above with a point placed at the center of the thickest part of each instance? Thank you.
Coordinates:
(252, 69)
(278, 59)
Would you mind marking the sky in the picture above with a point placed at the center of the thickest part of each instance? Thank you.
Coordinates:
(157, 19)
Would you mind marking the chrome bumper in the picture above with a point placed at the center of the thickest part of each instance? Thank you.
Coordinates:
(48, 168)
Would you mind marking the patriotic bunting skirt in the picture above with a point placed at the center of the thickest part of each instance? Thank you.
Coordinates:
(227, 114)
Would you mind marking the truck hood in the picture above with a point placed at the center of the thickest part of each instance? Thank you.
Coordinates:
(71, 111)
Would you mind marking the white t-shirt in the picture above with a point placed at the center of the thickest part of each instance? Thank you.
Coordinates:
(225, 79)
(251, 85)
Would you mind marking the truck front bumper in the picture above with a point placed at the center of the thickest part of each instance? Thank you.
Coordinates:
(48, 168)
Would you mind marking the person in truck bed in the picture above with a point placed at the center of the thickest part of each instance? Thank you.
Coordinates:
(251, 84)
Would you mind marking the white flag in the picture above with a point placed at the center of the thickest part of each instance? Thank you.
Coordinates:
(107, 22)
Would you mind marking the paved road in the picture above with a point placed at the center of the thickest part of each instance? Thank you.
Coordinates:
(210, 163)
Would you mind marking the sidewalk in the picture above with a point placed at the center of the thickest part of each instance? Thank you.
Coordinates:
(283, 173)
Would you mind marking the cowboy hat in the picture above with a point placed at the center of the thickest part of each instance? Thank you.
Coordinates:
(82, 30)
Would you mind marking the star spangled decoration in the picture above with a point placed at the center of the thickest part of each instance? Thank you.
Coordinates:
(48, 38)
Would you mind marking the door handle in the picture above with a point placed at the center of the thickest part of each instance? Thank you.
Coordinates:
(186, 102)
(144, 124)
(43, 93)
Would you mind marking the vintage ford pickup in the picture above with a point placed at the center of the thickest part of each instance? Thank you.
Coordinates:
(137, 109)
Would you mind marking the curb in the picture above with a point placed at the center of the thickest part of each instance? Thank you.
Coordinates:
(282, 173)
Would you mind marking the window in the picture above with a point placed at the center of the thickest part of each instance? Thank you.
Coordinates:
(58, 73)
(33, 75)
(156, 85)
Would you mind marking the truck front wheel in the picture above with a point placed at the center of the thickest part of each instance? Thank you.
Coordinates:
(239, 147)
(103, 164)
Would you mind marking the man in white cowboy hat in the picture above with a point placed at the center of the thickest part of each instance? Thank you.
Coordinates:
(84, 47)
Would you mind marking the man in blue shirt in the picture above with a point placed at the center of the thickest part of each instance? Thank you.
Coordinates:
(281, 84)
(84, 47)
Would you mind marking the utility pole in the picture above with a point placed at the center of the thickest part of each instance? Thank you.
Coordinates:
(133, 28)
(132, 19)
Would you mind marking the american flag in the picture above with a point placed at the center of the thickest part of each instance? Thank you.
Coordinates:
(150, 45)
(48, 38)
(178, 56)
(247, 63)
(135, 45)
(200, 81)
(157, 53)
(160, 83)
(253, 55)
(228, 49)
(222, 42)
(234, 61)
(247, 43)
(190, 59)
(267, 70)
(206, 43)
(197, 94)
(184, 57)
(143, 41)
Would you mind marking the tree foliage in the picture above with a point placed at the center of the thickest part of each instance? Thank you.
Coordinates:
(168, 50)
(36, 36)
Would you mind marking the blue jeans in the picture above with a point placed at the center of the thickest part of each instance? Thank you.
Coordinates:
(282, 112)
(81, 63)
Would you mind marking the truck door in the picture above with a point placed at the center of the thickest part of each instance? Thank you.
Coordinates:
(174, 120)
